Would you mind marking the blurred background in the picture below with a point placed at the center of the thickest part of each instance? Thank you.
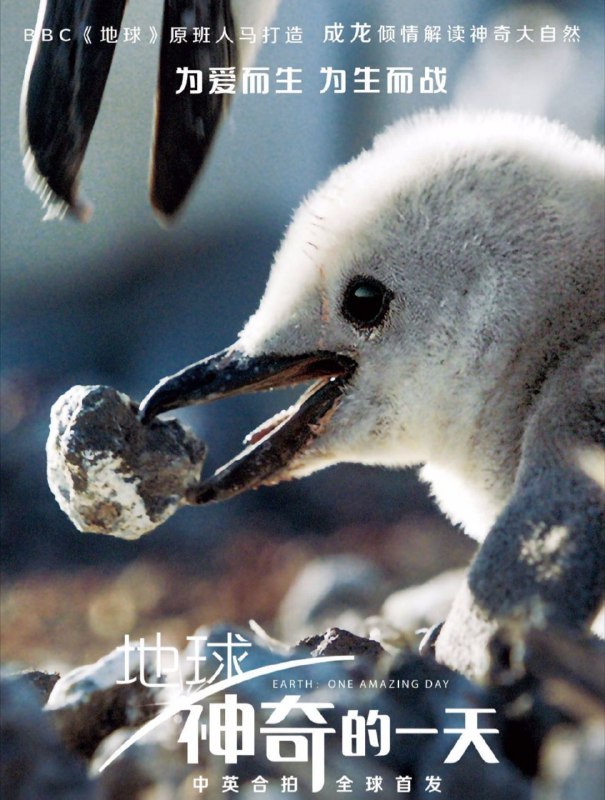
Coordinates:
(122, 301)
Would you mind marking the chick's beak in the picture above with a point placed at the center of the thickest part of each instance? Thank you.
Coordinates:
(274, 444)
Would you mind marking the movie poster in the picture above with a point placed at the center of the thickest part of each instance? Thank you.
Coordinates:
(186, 616)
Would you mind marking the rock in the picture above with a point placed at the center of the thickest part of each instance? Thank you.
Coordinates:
(88, 703)
(336, 642)
(112, 474)
(42, 683)
(35, 763)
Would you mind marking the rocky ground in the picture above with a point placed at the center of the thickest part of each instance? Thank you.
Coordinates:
(547, 690)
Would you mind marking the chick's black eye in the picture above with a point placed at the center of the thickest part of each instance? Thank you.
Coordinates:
(366, 302)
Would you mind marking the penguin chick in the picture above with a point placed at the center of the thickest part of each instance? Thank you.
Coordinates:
(444, 291)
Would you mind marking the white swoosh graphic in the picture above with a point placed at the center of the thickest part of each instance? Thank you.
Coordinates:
(185, 703)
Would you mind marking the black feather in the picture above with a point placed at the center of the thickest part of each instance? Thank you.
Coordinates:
(185, 123)
(62, 93)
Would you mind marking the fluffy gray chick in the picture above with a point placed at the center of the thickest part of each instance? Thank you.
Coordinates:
(445, 292)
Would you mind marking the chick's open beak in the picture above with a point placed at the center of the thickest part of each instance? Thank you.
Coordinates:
(274, 444)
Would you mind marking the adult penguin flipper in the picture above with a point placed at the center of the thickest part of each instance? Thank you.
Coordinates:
(188, 114)
(62, 91)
